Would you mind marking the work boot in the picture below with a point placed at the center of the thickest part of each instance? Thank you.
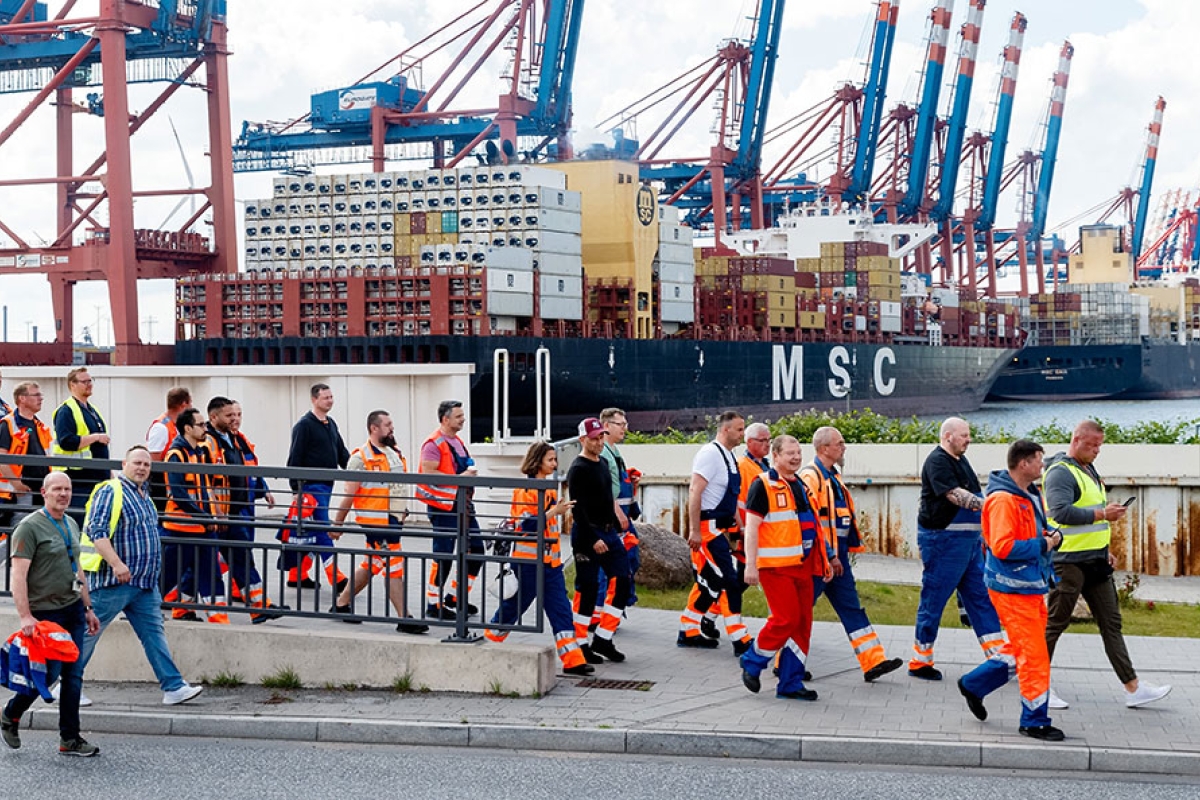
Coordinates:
(579, 669)
(799, 694)
(77, 747)
(451, 605)
(414, 628)
(606, 648)
(1047, 733)
(751, 681)
(974, 701)
(701, 642)
(740, 648)
(708, 628)
(9, 732)
(269, 613)
(589, 656)
(881, 669)
(926, 673)
(346, 609)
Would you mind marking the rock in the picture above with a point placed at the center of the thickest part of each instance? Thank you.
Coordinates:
(666, 558)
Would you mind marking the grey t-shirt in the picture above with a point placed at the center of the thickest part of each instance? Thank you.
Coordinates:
(51, 581)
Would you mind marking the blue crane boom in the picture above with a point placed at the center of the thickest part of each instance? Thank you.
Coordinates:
(1139, 225)
(553, 109)
(968, 51)
(918, 168)
(757, 99)
(874, 97)
(1004, 109)
(1058, 101)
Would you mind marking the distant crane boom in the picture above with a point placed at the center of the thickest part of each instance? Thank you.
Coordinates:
(1143, 207)
(935, 63)
(1004, 109)
(968, 51)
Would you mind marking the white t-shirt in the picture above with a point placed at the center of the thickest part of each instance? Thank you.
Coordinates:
(157, 438)
(713, 463)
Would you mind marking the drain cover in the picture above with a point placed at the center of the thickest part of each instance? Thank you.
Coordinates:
(629, 686)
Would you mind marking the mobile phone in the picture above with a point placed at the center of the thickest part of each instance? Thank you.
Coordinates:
(1130, 501)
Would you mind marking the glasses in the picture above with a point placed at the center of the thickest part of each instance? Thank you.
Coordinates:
(619, 424)
(31, 394)
(88, 382)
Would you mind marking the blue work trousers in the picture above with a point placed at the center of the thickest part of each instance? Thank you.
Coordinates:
(842, 592)
(953, 560)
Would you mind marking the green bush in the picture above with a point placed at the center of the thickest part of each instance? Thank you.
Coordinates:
(867, 427)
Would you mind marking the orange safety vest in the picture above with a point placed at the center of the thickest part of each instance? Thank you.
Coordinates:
(525, 507)
(781, 535)
(372, 501)
(172, 432)
(20, 445)
(750, 469)
(199, 489)
(825, 507)
(440, 498)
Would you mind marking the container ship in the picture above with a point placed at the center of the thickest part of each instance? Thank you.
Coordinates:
(1101, 335)
(579, 260)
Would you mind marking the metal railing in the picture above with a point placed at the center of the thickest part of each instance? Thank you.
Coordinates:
(245, 535)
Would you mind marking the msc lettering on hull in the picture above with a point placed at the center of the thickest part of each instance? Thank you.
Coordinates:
(787, 372)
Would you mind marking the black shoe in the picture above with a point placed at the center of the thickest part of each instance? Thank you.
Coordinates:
(268, 614)
(708, 627)
(9, 732)
(701, 642)
(799, 694)
(881, 669)
(740, 648)
(592, 627)
(347, 609)
(187, 616)
(589, 656)
(975, 703)
(579, 669)
(751, 682)
(411, 627)
(451, 604)
(605, 647)
(926, 673)
(444, 611)
(1047, 733)
(307, 583)
(807, 675)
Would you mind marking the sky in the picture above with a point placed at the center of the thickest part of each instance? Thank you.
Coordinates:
(284, 50)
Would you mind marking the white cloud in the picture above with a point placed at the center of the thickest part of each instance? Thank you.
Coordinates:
(285, 49)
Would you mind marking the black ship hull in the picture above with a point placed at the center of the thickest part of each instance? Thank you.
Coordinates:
(1149, 371)
(661, 383)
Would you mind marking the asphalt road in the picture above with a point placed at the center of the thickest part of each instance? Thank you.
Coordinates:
(135, 767)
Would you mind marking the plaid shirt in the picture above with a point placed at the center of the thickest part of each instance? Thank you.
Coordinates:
(135, 539)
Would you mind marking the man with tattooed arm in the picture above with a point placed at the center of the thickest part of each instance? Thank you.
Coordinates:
(949, 536)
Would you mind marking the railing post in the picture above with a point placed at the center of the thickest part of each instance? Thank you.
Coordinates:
(463, 513)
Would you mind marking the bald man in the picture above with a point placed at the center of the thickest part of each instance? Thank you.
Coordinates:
(950, 538)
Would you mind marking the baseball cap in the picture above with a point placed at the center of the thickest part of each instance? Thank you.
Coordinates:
(591, 428)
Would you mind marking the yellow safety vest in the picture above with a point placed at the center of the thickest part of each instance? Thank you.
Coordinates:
(89, 558)
(1093, 535)
(81, 428)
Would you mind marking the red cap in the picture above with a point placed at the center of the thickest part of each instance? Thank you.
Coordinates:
(591, 428)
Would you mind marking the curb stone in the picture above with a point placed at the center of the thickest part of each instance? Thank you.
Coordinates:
(829, 749)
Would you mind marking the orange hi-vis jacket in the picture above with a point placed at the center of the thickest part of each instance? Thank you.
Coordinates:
(372, 501)
(200, 492)
(440, 498)
(172, 431)
(834, 521)
(750, 470)
(782, 533)
(20, 445)
(524, 510)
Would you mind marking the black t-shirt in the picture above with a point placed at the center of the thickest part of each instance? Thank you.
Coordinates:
(758, 500)
(590, 486)
(31, 476)
(942, 473)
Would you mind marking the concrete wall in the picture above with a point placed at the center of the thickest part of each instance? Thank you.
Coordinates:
(1160, 535)
(272, 398)
(322, 656)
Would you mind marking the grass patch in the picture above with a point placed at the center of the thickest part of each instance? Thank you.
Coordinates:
(224, 680)
(285, 678)
(403, 683)
(497, 688)
(889, 604)
(277, 699)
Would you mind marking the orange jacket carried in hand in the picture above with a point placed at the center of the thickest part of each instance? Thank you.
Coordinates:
(23, 658)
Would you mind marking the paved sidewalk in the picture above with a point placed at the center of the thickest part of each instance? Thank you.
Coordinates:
(693, 703)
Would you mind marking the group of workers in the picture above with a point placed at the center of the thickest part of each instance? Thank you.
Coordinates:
(766, 518)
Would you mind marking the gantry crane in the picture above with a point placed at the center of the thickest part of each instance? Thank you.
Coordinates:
(181, 43)
(370, 119)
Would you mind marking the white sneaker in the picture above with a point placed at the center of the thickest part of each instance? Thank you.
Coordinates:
(181, 695)
(84, 700)
(1056, 701)
(1146, 694)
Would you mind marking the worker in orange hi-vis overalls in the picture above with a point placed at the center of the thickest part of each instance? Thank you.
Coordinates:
(784, 551)
(541, 461)
(1018, 573)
